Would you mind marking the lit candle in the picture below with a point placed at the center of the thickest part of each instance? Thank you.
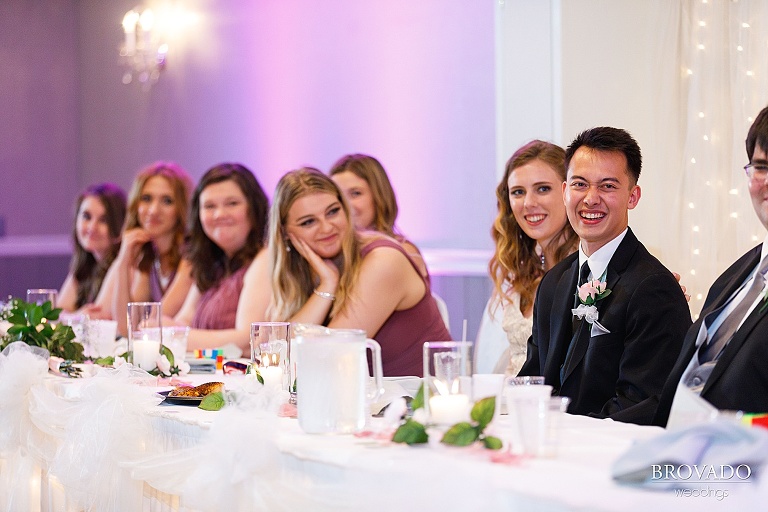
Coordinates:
(449, 409)
(272, 375)
(145, 353)
(129, 27)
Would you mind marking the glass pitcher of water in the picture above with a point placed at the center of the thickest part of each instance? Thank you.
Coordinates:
(332, 381)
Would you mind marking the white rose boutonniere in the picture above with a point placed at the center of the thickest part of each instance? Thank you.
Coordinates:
(589, 293)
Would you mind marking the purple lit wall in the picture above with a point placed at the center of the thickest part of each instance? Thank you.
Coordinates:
(281, 84)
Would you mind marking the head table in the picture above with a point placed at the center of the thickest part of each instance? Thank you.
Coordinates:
(105, 443)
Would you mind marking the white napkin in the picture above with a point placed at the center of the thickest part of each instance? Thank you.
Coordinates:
(697, 448)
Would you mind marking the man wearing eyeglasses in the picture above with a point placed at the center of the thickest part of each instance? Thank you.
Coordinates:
(725, 354)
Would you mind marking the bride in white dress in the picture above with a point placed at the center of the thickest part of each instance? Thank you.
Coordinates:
(532, 234)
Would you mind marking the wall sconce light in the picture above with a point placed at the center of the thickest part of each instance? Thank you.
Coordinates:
(143, 53)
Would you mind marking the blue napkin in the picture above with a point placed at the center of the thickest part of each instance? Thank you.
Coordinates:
(716, 453)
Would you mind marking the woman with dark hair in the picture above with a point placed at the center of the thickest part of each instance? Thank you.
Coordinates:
(371, 199)
(149, 266)
(228, 222)
(532, 234)
(100, 213)
(326, 272)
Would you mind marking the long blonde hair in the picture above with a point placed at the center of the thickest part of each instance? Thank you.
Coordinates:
(181, 184)
(292, 279)
(515, 266)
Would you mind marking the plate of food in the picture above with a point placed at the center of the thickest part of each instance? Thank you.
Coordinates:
(191, 395)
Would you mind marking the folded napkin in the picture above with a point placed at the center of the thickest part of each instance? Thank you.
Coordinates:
(708, 453)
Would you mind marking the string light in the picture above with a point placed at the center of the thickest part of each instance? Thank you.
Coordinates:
(706, 137)
(695, 229)
(691, 206)
(700, 46)
(702, 23)
(693, 160)
(701, 115)
(734, 192)
(734, 215)
(740, 48)
(699, 296)
(745, 25)
(695, 252)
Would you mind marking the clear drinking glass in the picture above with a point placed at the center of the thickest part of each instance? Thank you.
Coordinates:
(269, 351)
(446, 365)
(145, 334)
(40, 296)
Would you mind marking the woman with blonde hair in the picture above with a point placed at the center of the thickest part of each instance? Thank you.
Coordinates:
(150, 266)
(371, 199)
(532, 234)
(325, 272)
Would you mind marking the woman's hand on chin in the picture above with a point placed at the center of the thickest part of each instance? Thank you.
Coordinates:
(325, 269)
(133, 240)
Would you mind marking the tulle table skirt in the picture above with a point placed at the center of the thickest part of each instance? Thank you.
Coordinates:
(106, 444)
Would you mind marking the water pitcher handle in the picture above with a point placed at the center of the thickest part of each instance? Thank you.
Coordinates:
(378, 378)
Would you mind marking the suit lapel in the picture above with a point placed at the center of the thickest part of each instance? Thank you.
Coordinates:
(616, 266)
(733, 346)
(561, 329)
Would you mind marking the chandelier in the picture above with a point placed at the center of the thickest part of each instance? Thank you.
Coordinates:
(143, 54)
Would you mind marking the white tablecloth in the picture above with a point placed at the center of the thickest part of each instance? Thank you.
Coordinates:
(184, 458)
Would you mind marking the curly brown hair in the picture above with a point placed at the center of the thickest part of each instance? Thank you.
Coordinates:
(515, 266)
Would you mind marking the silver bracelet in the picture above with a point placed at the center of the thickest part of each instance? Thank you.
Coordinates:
(325, 295)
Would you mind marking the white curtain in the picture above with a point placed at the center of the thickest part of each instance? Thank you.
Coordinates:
(723, 85)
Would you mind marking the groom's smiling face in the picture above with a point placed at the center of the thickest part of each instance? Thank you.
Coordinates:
(598, 195)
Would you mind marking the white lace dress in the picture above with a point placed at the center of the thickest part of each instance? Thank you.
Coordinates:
(518, 329)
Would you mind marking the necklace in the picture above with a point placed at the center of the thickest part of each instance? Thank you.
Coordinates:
(543, 262)
(162, 280)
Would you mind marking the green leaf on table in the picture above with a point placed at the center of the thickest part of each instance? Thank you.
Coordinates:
(492, 443)
(418, 400)
(411, 432)
(165, 351)
(461, 434)
(482, 411)
(212, 402)
(104, 361)
(252, 369)
(34, 314)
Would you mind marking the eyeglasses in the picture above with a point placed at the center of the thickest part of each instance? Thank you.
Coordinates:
(757, 171)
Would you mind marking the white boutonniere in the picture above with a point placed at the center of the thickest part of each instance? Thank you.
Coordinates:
(589, 293)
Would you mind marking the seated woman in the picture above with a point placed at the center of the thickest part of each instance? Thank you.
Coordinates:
(372, 200)
(230, 266)
(325, 272)
(532, 234)
(149, 266)
(96, 240)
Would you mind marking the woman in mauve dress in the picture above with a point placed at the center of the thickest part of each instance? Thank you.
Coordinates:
(372, 200)
(229, 263)
(326, 272)
(150, 266)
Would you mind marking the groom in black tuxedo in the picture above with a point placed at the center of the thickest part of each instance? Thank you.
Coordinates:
(615, 365)
(732, 373)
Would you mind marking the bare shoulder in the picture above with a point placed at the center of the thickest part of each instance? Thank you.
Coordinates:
(385, 260)
(259, 267)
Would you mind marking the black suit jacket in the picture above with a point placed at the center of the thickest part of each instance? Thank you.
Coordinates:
(620, 374)
(739, 380)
